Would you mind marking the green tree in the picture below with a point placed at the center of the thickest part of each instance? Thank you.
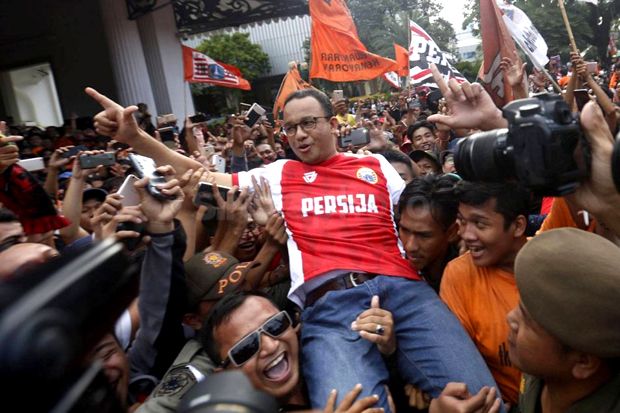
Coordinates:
(380, 23)
(235, 49)
(591, 24)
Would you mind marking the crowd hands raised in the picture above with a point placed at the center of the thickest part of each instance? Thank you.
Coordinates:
(222, 268)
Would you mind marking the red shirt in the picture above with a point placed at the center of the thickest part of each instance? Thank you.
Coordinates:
(339, 215)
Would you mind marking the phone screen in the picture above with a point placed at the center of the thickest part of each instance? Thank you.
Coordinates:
(204, 195)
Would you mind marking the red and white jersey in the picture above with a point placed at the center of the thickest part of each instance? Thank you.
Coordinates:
(338, 214)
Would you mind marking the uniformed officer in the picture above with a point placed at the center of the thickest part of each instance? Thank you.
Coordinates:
(209, 276)
(565, 333)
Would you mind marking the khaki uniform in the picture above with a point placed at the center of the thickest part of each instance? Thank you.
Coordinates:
(191, 365)
(605, 399)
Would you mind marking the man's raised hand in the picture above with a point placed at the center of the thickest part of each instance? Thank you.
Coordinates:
(470, 105)
(114, 120)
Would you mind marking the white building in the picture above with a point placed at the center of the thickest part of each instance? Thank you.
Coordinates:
(467, 45)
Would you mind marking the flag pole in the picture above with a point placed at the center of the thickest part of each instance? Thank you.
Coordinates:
(408, 82)
(535, 63)
(571, 38)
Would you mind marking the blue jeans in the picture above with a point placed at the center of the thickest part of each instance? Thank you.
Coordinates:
(433, 348)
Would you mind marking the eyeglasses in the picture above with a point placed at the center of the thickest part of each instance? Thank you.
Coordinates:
(306, 124)
(249, 346)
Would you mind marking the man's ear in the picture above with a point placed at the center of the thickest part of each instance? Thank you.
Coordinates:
(453, 233)
(585, 366)
(192, 320)
(520, 224)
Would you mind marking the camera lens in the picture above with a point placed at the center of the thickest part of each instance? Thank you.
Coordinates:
(482, 157)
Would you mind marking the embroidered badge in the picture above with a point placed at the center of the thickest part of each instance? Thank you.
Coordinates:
(174, 382)
(215, 259)
(310, 177)
(368, 175)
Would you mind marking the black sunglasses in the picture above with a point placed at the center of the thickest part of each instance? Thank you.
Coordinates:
(248, 346)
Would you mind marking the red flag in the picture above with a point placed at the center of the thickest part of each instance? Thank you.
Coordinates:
(200, 68)
(496, 44)
(402, 58)
(337, 52)
(292, 82)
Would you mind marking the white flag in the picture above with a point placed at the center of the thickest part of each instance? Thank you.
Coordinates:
(422, 52)
(525, 34)
(392, 78)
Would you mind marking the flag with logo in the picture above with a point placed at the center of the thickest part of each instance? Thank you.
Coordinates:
(200, 68)
(292, 82)
(422, 52)
(525, 34)
(496, 44)
(337, 52)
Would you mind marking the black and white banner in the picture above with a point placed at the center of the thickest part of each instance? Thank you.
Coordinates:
(422, 52)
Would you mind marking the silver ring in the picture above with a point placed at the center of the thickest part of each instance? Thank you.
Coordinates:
(379, 330)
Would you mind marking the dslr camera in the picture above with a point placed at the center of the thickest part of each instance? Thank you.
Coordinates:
(543, 148)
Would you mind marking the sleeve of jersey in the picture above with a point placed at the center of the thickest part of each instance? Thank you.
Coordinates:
(271, 173)
(453, 296)
(244, 179)
(395, 183)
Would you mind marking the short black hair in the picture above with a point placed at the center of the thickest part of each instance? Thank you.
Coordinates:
(511, 198)
(321, 97)
(221, 313)
(420, 124)
(435, 192)
(392, 155)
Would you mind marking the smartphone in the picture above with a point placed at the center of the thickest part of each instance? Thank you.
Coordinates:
(145, 166)
(129, 192)
(165, 119)
(204, 195)
(581, 97)
(74, 151)
(270, 119)
(32, 164)
(337, 95)
(209, 151)
(166, 134)
(254, 114)
(220, 163)
(198, 118)
(592, 67)
(357, 137)
(101, 159)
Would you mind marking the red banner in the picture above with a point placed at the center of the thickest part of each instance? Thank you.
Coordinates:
(496, 44)
(200, 68)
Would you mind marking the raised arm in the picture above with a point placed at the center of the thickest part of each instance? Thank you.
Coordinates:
(119, 123)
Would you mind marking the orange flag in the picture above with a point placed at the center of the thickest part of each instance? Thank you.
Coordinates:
(292, 82)
(402, 58)
(337, 52)
(200, 68)
(496, 44)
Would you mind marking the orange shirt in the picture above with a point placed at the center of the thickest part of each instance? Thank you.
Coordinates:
(560, 216)
(481, 298)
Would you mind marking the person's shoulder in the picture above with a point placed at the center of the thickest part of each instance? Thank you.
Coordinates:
(460, 271)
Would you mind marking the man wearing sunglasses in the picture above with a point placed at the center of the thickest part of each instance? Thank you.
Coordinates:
(247, 331)
(343, 250)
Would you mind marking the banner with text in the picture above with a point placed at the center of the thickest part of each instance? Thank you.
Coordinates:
(337, 52)
(422, 52)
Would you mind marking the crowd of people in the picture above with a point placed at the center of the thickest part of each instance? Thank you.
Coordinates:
(335, 275)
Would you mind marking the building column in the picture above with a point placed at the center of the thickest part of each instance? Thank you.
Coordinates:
(164, 56)
(127, 56)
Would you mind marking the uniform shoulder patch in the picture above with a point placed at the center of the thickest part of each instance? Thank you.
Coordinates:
(215, 259)
(176, 382)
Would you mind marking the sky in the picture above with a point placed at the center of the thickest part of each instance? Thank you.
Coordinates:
(453, 12)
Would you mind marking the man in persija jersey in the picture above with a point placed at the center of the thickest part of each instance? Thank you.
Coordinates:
(343, 249)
